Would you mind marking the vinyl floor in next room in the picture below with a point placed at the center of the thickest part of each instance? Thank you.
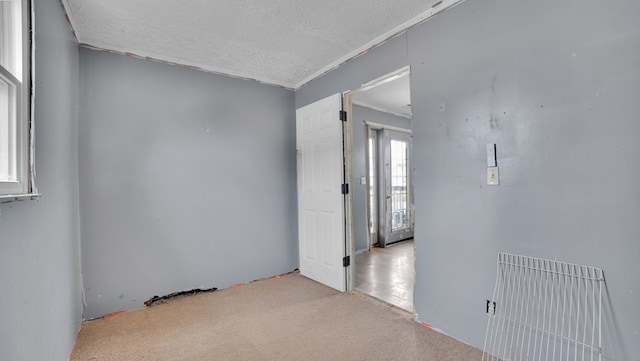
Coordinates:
(388, 274)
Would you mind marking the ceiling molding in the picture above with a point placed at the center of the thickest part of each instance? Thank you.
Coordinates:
(387, 94)
(378, 126)
(186, 64)
(398, 30)
(395, 75)
(67, 14)
(98, 46)
(382, 110)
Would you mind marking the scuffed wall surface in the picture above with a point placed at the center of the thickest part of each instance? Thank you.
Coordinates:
(555, 85)
(187, 180)
(39, 240)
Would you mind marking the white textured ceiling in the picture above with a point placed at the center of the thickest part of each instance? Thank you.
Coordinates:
(279, 42)
(390, 97)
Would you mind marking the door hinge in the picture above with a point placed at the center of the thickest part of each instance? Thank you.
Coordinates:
(345, 188)
(343, 115)
(346, 261)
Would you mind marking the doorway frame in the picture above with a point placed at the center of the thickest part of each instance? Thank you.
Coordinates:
(347, 106)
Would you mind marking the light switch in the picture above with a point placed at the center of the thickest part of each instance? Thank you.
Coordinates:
(363, 180)
(491, 155)
(493, 176)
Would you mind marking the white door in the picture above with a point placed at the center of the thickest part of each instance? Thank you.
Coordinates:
(321, 221)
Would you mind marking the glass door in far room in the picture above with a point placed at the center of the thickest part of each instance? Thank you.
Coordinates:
(396, 222)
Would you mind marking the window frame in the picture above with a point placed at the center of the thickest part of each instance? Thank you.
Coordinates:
(23, 105)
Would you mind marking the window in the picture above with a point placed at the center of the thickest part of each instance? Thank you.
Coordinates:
(399, 189)
(15, 97)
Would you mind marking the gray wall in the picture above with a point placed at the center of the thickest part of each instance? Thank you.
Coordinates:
(556, 86)
(359, 116)
(187, 180)
(41, 299)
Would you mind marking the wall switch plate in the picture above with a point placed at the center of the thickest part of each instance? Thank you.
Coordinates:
(491, 308)
(493, 176)
(491, 155)
(363, 180)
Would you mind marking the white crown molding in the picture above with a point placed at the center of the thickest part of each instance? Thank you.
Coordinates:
(382, 110)
(183, 63)
(70, 19)
(439, 7)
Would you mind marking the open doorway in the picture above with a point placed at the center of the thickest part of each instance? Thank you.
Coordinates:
(382, 204)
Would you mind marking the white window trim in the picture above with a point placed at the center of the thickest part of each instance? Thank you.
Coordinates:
(24, 188)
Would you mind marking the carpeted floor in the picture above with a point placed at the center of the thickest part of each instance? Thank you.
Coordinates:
(285, 318)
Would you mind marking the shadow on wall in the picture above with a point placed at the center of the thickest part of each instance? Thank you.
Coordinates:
(613, 346)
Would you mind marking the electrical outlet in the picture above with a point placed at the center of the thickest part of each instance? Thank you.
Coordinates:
(493, 176)
(491, 308)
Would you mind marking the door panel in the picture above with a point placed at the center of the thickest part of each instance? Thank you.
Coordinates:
(321, 222)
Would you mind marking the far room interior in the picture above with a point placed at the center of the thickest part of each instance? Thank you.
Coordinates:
(147, 150)
(381, 174)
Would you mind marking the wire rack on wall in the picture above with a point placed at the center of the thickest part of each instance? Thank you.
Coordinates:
(544, 310)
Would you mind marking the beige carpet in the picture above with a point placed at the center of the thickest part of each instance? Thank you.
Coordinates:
(286, 318)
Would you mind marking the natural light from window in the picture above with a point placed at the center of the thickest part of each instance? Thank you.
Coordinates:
(14, 98)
